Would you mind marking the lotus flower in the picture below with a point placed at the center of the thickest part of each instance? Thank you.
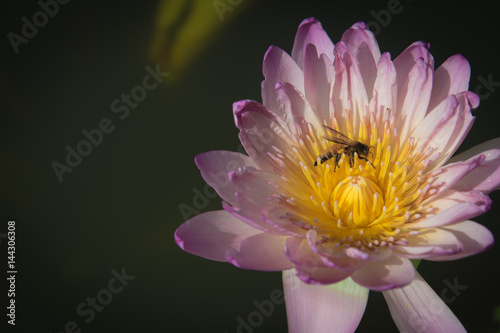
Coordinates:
(336, 219)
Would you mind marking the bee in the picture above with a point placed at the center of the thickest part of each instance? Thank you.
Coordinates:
(343, 145)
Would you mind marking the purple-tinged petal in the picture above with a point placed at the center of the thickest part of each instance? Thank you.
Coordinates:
(260, 130)
(490, 149)
(454, 207)
(211, 234)
(413, 96)
(318, 75)
(382, 275)
(263, 252)
(346, 259)
(364, 47)
(486, 177)
(294, 106)
(252, 192)
(474, 237)
(386, 86)
(460, 124)
(254, 184)
(248, 212)
(215, 166)
(432, 242)
(472, 98)
(452, 198)
(349, 91)
(256, 198)
(447, 176)
(414, 67)
(408, 58)
(451, 78)
(278, 66)
(309, 265)
(438, 126)
(276, 217)
(311, 32)
(417, 308)
(321, 309)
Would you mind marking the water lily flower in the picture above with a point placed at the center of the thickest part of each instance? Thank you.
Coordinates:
(348, 178)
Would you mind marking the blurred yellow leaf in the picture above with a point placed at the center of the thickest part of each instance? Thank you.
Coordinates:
(185, 27)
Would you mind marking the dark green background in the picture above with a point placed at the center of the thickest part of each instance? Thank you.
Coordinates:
(119, 208)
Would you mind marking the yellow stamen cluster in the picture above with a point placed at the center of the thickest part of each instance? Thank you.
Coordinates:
(362, 205)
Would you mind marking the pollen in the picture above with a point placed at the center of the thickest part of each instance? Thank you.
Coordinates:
(352, 201)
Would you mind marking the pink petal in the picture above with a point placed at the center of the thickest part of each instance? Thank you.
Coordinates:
(364, 47)
(408, 58)
(254, 184)
(382, 275)
(345, 259)
(417, 308)
(455, 207)
(474, 237)
(349, 91)
(460, 125)
(260, 130)
(486, 177)
(432, 242)
(450, 174)
(452, 198)
(249, 213)
(309, 265)
(311, 32)
(211, 234)
(386, 86)
(278, 66)
(277, 218)
(413, 96)
(295, 107)
(452, 77)
(321, 309)
(263, 252)
(255, 195)
(215, 166)
(438, 126)
(318, 75)
(414, 67)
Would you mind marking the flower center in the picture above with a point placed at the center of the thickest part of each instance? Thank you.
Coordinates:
(357, 201)
(350, 199)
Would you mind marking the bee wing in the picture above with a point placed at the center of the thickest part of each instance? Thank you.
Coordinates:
(335, 148)
(337, 137)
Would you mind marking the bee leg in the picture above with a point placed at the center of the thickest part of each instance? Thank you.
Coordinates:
(337, 159)
(364, 158)
(351, 159)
